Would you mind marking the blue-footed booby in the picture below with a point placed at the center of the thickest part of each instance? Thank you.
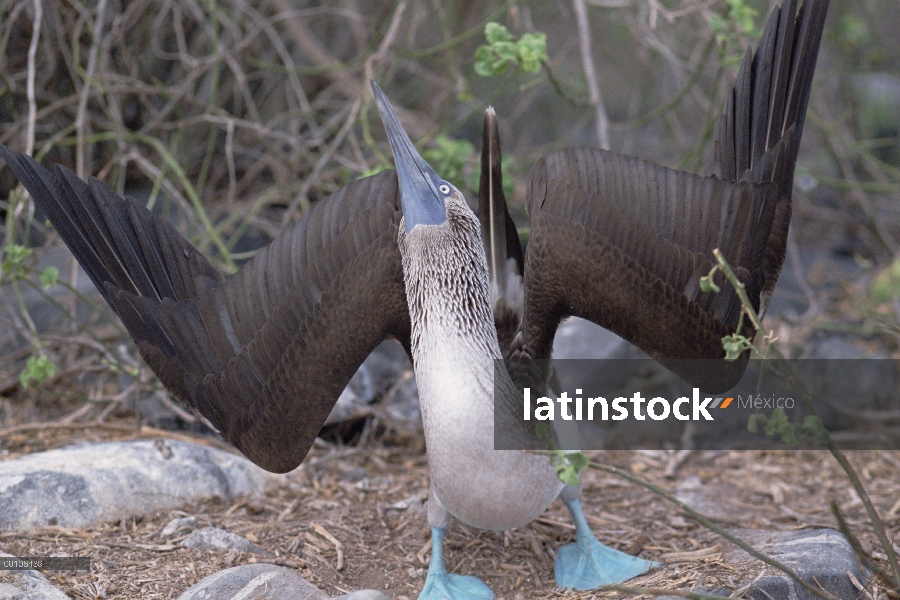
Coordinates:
(264, 354)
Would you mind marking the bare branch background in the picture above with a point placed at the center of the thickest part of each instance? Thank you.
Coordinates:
(232, 117)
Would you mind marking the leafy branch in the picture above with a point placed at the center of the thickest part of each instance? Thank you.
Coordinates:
(503, 50)
(812, 426)
(732, 29)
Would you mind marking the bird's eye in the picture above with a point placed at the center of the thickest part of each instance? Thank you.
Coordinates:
(444, 189)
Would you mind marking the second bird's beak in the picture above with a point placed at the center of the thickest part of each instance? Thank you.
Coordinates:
(420, 199)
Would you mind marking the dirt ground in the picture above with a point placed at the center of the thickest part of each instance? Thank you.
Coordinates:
(361, 497)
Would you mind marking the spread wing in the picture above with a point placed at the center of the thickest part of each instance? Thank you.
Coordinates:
(264, 354)
(623, 242)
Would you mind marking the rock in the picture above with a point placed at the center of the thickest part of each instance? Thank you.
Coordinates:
(28, 584)
(403, 404)
(364, 595)
(353, 474)
(213, 538)
(254, 582)
(711, 501)
(878, 109)
(578, 338)
(176, 525)
(416, 504)
(822, 557)
(87, 484)
(380, 371)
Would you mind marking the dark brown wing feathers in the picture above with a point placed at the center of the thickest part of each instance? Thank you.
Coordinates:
(263, 355)
(623, 206)
(623, 242)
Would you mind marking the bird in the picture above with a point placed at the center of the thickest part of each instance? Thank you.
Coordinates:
(263, 355)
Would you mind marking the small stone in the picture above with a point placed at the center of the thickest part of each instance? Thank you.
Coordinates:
(822, 557)
(176, 525)
(213, 538)
(415, 504)
(364, 595)
(354, 474)
(254, 582)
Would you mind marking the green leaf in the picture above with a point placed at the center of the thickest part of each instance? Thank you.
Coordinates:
(707, 284)
(450, 158)
(544, 431)
(789, 437)
(14, 261)
(733, 29)
(752, 426)
(502, 50)
(777, 422)
(37, 369)
(579, 461)
(49, 276)
(495, 32)
(532, 51)
(483, 61)
(569, 465)
(567, 475)
(735, 345)
(813, 425)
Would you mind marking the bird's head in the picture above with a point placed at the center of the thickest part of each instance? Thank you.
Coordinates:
(440, 238)
(427, 200)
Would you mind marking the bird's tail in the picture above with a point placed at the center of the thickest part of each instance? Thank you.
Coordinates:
(501, 240)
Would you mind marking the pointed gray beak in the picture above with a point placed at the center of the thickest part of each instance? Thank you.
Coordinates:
(419, 197)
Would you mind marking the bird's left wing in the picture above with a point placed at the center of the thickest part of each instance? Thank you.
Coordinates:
(264, 354)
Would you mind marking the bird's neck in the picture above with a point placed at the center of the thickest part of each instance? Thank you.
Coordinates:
(454, 341)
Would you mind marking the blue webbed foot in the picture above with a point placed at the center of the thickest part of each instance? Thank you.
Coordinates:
(588, 564)
(448, 586)
(440, 585)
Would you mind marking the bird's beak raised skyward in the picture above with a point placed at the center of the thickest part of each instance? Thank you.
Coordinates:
(419, 197)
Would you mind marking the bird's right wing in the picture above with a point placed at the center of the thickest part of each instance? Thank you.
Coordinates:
(264, 354)
(623, 242)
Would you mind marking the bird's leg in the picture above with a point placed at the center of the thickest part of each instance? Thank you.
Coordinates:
(440, 585)
(587, 563)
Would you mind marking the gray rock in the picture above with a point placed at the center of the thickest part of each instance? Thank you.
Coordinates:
(254, 582)
(213, 538)
(878, 96)
(710, 501)
(578, 338)
(822, 557)
(354, 474)
(28, 584)
(403, 404)
(176, 525)
(45, 314)
(416, 504)
(381, 370)
(364, 595)
(93, 483)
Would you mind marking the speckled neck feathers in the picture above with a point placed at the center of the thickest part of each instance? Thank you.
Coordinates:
(447, 285)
